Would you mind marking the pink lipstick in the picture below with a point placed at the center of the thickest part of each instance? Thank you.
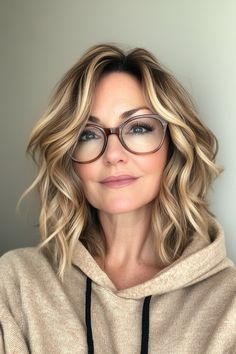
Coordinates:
(118, 181)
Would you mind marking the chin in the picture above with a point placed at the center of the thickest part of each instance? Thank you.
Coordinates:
(121, 207)
(116, 211)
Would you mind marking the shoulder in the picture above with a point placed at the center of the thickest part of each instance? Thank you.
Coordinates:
(21, 262)
(22, 256)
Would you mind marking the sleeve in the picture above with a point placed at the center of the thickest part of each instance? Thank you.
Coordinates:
(12, 339)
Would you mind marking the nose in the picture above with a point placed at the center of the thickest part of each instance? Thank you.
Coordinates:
(115, 151)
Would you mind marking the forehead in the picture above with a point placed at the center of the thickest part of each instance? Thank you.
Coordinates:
(117, 96)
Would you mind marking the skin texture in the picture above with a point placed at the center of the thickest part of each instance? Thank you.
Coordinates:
(124, 212)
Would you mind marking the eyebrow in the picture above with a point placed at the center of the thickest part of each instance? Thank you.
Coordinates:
(124, 115)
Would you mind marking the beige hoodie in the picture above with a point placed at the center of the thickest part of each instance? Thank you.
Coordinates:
(189, 307)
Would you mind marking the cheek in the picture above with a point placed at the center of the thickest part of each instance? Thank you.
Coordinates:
(152, 171)
(88, 174)
(83, 172)
(154, 164)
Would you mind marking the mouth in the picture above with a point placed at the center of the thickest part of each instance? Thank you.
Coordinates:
(118, 181)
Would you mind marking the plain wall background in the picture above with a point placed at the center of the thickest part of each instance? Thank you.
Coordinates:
(40, 40)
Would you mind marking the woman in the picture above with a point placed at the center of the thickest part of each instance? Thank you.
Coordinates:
(131, 259)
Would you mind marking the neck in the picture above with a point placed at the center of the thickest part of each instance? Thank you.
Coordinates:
(128, 238)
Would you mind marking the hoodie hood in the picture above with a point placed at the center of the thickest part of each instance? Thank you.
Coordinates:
(200, 260)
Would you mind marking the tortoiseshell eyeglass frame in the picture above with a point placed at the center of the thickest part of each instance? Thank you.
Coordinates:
(118, 131)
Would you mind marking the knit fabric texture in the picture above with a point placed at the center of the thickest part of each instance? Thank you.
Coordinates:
(188, 307)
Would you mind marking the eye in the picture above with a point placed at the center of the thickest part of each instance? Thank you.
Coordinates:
(140, 128)
(88, 135)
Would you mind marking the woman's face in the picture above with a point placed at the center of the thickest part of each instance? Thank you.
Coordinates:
(116, 93)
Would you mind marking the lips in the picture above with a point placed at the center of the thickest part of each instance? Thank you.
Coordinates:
(118, 178)
(118, 181)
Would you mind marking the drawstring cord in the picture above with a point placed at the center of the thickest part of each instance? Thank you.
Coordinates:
(145, 325)
(88, 317)
(145, 320)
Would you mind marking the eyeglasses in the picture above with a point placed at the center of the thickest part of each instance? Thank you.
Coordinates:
(143, 134)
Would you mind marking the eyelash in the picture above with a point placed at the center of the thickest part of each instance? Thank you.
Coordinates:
(142, 125)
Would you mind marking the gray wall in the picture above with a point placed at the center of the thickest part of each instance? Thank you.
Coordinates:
(40, 40)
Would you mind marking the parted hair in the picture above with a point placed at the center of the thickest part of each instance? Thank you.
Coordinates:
(181, 207)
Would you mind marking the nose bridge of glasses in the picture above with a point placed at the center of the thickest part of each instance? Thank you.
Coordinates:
(113, 131)
(109, 131)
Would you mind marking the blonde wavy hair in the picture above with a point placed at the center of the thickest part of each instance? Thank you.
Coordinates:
(181, 207)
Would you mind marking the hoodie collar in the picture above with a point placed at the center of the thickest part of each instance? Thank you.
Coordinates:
(200, 260)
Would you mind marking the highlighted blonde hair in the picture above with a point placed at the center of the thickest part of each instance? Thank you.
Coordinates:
(180, 209)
